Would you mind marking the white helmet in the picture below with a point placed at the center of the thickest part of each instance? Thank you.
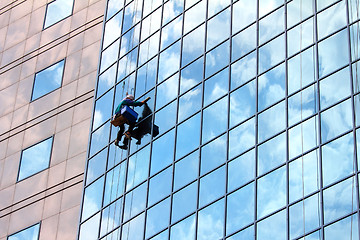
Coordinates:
(130, 97)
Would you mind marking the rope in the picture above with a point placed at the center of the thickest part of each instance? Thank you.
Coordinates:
(148, 49)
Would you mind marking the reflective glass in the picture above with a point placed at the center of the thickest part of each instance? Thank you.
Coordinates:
(150, 5)
(271, 53)
(138, 167)
(300, 37)
(111, 217)
(184, 202)
(271, 154)
(218, 29)
(321, 4)
(169, 61)
(246, 234)
(171, 9)
(243, 42)
(194, 16)
(271, 25)
(161, 236)
(193, 45)
(150, 24)
(127, 65)
(28, 233)
(212, 186)
(48, 80)
(354, 39)
(90, 229)
(339, 200)
(157, 218)
(132, 14)
(112, 29)
(162, 153)
(166, 117)
(303, 137)
(184, 144)
(271, 87)
(301, 70)
(336, 45)
(215, 119)
(35, 159)
(266, 6)
(106, 80)
(191, 75)
(271, 192)
(135, 201)
(339, 153)
(271, 121)
(243, 70)
(112, 7)
(211, 221)
(115, 183)
(57, 11)
(184, 229)
(294, 15)
(273, 227)
(336, 120)
(190, 103)
(347, 228)
(244, 13)
(353, 10)
(305, 216)
(304, 175)
(216, 86)
(171, 32)
(242, 138)
(129, 40)
(160, 186)
(148, 49)
(186, 170)
(167, 91)
(109, 55)
(134, 229)
(217, 58)
(99, 138)
(92, 198)
(103, 109)
(242, 103)
(355, 75)
(331, 20)
(240, 208)
(241, 170)
(213, 154)
(96, 166)
(215, 6)
(338, 83)
(146, 77)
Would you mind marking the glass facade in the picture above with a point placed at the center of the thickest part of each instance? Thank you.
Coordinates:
(258, 108)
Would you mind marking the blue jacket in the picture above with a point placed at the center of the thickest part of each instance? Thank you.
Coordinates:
(126, 102)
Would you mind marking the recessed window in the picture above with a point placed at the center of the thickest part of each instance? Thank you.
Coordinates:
(28, 233)
(48, 80)
(57, 10)
(35, 158)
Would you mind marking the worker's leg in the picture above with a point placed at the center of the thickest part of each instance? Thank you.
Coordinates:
(119, 134)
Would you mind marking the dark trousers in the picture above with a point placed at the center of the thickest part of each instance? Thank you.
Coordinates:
(121, 132)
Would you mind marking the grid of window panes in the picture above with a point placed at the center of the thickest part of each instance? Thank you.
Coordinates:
(258, 108)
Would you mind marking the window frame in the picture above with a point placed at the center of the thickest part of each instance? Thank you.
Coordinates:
(46, 12)
(38, 234)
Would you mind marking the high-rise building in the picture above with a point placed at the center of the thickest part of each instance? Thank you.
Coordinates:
(257, 104)
(49, 53)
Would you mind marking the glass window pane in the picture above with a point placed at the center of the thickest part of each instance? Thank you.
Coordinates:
(271, 154)
(215, 119)
(109, 56)
(132, 14)
(184, 144)
(271, 25)
(216, 86)
(167, 91)
(213, 154)
(271, 87)
(112, 29)
(242, 103)
(240, 208)
(336, 45)
(305, 212)
(186, 170)
(332, 19)
(294, 15)
(347, 228)
(304, 175)
(300, 37)
(113, 7)
(355, 75)
(193, 46)
(162, 153)
(244, 13)
(184, 202)
(57, 11)
(138, 167)
(99, 138)
(129, 40)
(146, 77)
(96, 166)
(244, 134)
(336, 120)
(211, 222)
(354, 39)
(243, 70)
(160, 186)
(35, 158)
(184, 229)
(150, 24)
(190, 103)
(212, 186)
(243, 42)
(134, 229)
(127, 65)
(345, 203)
(338, 83)
(191, 75)
(171, 32)
(165, 118)
(241, 170)
(248, 234)
(217, 58)
(157, 218)
(114, 184)
(135, 201)
(28, 233)
(111, 217)
(92, 198)
(271, 192)
(48, 80)
(271, 121)
(273, 227)
(106, 81)
(266, 6)
(103, 108)
(194, 16)
(321, 4)
(149, 49)
(90, 229)
(271, 53)
(218, 29)
(339, 153)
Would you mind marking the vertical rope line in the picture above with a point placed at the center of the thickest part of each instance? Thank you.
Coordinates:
(148, 48)
(132, 193)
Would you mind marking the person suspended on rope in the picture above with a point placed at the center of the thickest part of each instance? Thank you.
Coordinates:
(124, 114)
